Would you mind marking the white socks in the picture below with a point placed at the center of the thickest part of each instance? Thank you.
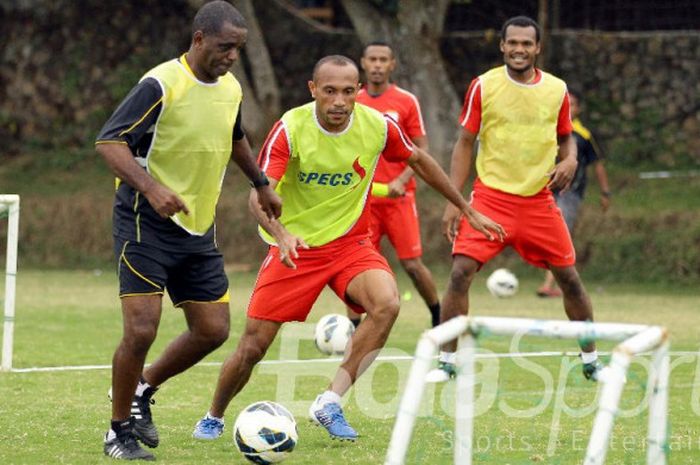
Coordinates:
(328, 397)
(589, 357)
(448, 357)
(212, 417)
(142, 387)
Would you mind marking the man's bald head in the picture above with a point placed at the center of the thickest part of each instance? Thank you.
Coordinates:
(338, 60)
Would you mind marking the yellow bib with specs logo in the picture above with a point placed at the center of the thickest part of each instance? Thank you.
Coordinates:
(328, 176)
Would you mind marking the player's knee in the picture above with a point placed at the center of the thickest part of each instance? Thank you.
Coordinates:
(391, 309)
(214, 337)
(251, 352)
(220, 336)
(571, 284)
(140, 337)
(413, 268)
(386, 309)
(461, 276)
(572, 288)
(212, 331)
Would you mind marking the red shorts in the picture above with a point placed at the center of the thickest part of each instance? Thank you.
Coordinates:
(398, 220)
(535, 228)
(283, 294)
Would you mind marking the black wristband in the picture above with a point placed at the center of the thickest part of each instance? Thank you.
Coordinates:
(260, 182)
(605, 193)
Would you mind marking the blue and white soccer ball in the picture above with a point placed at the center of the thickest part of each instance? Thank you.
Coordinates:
(333, 332)
(502, 283)
(265, 432)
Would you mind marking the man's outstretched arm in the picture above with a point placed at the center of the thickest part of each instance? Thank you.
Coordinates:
(428, 169)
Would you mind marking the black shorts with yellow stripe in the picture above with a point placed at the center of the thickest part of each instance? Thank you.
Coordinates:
(188, 277)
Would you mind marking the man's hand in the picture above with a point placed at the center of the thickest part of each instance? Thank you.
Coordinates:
(450, 221)
(270, 202)
(164, 201)
(562, 174)
(120, 159)
(288, 245)
(396, 189)
(484, 225)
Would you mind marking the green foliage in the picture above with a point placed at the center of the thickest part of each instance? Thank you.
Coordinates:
(643, 139)
(651, 233)
(653, 251)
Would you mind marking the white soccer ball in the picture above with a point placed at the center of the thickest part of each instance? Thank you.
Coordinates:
(333, 332)
(502, 283)
(265, 432)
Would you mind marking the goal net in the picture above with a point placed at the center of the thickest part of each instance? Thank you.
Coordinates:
(636, 340)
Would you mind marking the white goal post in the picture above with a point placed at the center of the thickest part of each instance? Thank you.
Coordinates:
(637, 339)
(9, 204)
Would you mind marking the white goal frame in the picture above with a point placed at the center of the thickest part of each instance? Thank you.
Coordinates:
(637, 339)
(10, 203)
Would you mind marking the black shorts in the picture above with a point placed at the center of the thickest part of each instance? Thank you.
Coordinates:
(188, 277)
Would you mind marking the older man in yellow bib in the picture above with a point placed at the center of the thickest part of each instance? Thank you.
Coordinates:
(169, 143)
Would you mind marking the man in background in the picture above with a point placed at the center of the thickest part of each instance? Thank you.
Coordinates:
(393, 201)
(521, 116)
(569, 201)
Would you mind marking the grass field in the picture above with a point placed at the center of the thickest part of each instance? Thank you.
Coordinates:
(528, 414)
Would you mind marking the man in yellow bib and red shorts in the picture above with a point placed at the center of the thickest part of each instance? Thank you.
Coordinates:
(320, 158)
(521, 117)
(393, 200)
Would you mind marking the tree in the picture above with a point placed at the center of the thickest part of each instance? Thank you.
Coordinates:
(414, 29)
(261, 105)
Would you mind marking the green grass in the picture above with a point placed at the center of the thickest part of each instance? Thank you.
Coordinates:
(56, 173)
(73, 318)
(633, 195)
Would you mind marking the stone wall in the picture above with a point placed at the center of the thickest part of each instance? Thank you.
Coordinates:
(66, 64)
(62, 75)
(641, 90)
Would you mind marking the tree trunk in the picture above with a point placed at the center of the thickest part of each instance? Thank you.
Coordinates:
(543, 20)
(261, 96)
(414, 34)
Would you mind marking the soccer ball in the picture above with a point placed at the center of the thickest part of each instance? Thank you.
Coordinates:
(333, 333)
(265, 432)
(502, 283)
